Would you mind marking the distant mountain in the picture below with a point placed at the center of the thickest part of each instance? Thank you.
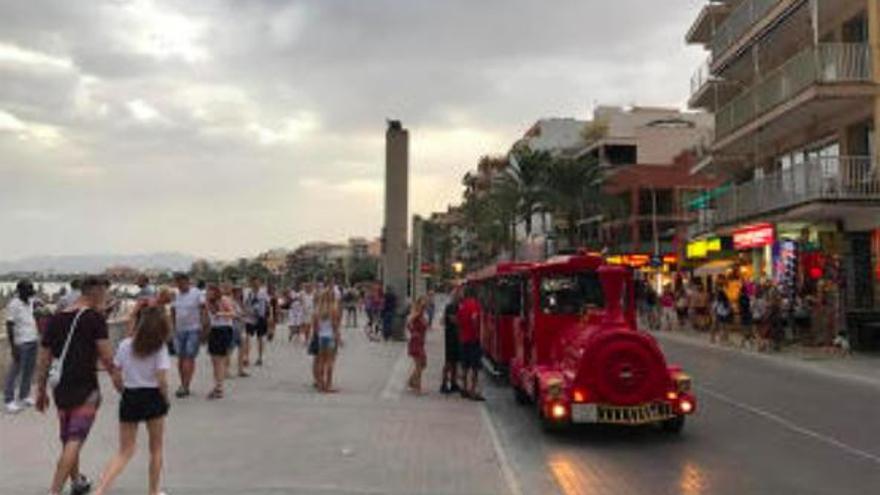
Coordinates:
(98, 263)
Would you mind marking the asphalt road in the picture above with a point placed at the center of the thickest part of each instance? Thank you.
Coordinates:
(763, 427)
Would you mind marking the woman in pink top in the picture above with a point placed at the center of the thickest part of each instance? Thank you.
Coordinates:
(417, 325)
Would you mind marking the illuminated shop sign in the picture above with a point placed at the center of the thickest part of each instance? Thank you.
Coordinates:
(755, 236)
(633, 260)
(702, 248)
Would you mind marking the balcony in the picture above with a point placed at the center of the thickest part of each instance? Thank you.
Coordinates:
(739, 22)
(711, 15)
(829, 181)
(825, 64)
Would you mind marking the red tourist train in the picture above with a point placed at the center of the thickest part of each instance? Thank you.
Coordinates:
(565, 332)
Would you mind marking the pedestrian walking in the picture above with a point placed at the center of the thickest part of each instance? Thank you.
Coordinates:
(349, 303)
(23, 337)
(75, 341)
(373, 306)
(146, 291)
(723, 314)
(760, 318)
(326, 327)
(238, 330)
(258, 311)
(188, 316)
(452, 347)
(469, 316)
(389, 309)
(221, 314)
(70, 297)
(417, 325)
(746, 320)
(667, 309)
(681, 307)
(431, 307)
(141, 376)
(308, 299)
(296, 319)
(274, 312)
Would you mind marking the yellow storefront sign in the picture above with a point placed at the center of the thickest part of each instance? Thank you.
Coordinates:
(702, 248)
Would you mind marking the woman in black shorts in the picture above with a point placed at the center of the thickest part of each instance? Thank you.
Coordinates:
(221, 312)
(141, 367)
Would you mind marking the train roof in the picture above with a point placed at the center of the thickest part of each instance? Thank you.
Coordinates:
(556, 264)
(568, 263)
(500, 269)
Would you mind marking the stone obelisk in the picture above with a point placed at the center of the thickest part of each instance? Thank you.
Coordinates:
(394, 255)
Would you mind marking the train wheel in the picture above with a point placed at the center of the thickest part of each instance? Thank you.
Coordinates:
(520, 395)
(674, 425)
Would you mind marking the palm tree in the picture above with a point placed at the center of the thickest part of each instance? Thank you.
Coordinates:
(572, 190)
(527, 174)
(505, 198)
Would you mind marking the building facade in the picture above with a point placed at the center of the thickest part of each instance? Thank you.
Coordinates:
(793, 85)
(647, 155)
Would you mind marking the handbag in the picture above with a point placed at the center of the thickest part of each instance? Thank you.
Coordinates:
(56, 369)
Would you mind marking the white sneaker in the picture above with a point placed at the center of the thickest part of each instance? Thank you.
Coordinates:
(29, 402)
(12, 408)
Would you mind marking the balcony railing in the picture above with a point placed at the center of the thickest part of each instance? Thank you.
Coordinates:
(825, 63)
(701, 77)
(740, 20)
(818, 179)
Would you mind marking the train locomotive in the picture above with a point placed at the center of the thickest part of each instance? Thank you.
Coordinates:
(565, 334)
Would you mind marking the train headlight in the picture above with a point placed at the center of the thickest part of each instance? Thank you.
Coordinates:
(686, 406)
(558, 411)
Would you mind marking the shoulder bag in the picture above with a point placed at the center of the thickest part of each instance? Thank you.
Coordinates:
(56, 369)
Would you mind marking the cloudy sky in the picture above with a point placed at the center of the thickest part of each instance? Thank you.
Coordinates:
(227, 127)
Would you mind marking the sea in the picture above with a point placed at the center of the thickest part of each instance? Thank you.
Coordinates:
(53, 288)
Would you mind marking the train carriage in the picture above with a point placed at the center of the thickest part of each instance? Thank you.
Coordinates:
(499, 288)
(576, 352)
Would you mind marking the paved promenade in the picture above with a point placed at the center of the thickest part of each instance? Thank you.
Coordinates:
(274, 435)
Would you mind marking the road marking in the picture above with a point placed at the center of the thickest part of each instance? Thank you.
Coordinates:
(506, 470)
(791, 426)
(394, 386)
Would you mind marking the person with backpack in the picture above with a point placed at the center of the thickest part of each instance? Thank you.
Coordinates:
(77, 338)
(141, 376)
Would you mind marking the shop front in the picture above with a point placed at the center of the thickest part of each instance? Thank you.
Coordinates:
(658, 271)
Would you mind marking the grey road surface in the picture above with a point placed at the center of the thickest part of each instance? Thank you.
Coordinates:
(764, 427)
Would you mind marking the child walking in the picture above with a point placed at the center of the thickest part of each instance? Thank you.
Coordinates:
(142, 363)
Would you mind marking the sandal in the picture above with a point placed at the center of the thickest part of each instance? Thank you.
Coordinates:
(217, 393)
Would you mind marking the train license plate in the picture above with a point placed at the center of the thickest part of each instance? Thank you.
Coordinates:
(584, 413)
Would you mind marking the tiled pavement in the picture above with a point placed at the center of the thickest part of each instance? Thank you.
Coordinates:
(273, 435)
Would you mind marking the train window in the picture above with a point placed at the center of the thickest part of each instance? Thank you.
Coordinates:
(508, 296)
(571, 294)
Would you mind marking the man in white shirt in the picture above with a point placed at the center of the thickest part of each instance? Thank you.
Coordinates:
(187, 314)
(21, 328)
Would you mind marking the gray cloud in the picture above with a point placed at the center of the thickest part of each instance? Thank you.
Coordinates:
(225, 127)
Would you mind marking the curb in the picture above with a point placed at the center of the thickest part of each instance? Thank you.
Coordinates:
(872, 380)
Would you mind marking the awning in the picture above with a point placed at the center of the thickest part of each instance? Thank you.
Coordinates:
(711, 268)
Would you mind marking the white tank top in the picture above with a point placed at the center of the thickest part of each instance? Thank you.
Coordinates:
(325, 328)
